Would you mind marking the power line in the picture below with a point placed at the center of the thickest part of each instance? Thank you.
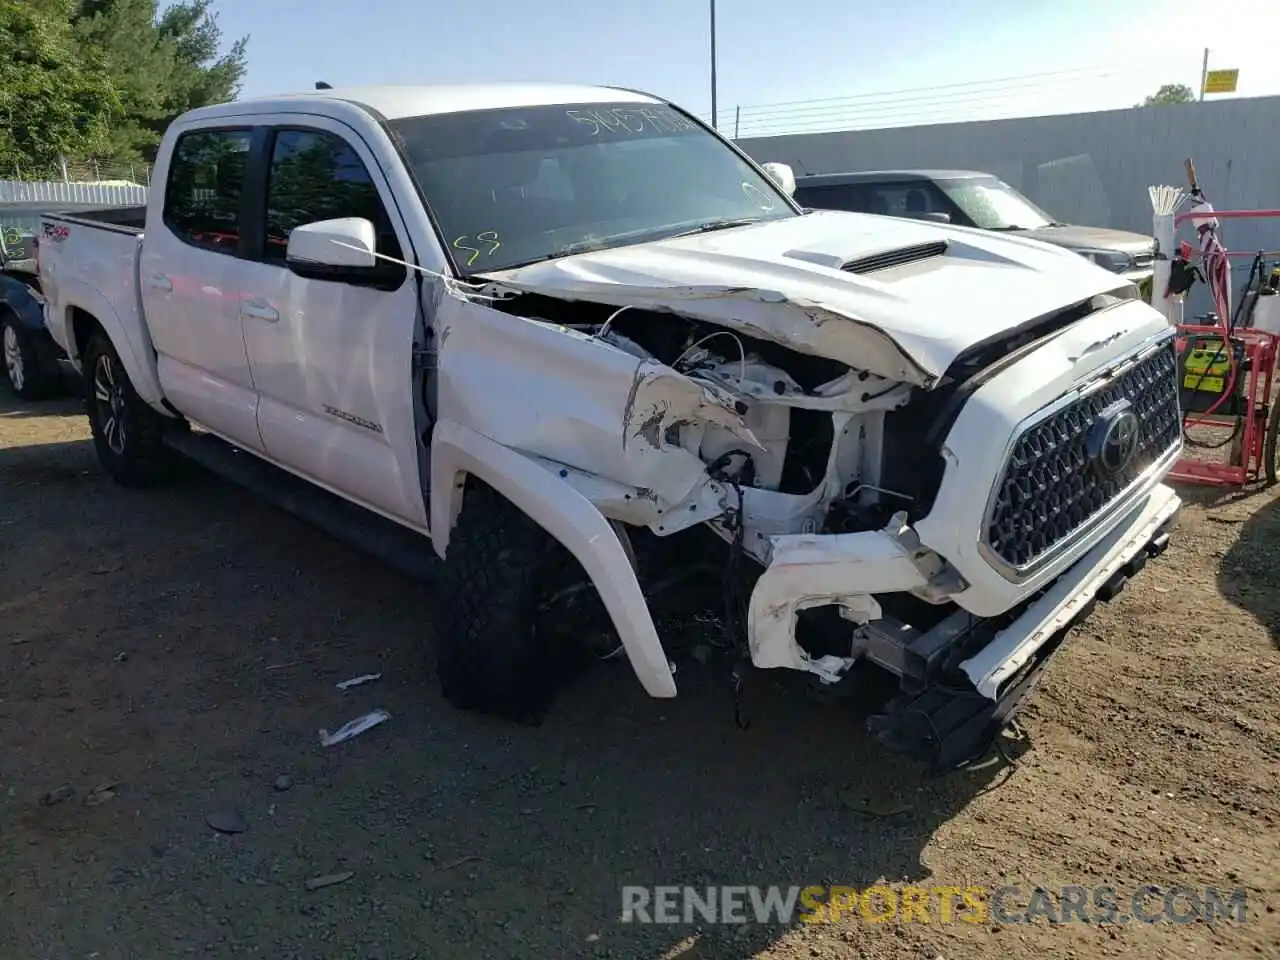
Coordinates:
(896, 115)
(932, 104)
(1093, 70)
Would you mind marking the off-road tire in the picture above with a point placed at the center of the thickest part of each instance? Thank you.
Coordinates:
(495, 652)
(33, 380)
(127, 434)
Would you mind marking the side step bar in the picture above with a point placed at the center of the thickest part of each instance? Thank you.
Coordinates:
(399, 547)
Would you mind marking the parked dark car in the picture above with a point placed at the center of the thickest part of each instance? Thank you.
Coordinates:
(971, 199)
(30, 361)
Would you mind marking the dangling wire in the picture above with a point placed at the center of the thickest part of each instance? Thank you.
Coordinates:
(735, 629)
(459, 289)
(742, 352)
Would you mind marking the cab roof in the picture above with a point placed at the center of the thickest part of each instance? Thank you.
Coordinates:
(882, 176)
(395, 101)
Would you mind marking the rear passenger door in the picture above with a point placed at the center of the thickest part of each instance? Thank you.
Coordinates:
(188, 276)
(332, 360)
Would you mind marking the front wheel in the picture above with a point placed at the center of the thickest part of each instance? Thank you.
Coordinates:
(22, 368)
(127, 433)
(515, 614)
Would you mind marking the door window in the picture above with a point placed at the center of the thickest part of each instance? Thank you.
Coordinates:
(206, 179)
(910, 199)
(318, 176)
(840, 197)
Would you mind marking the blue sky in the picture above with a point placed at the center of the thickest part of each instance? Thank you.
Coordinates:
(956, 56)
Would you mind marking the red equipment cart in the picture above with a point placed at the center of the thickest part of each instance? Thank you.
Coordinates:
(1227, 374)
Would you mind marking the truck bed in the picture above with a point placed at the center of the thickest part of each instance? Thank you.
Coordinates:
(20, 223)
(94, 250)
(130, 219)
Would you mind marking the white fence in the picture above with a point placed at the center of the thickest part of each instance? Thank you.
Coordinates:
(22, 202)
(49, 194)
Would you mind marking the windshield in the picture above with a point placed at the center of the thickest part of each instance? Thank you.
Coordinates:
(994, 205)
(512, 186)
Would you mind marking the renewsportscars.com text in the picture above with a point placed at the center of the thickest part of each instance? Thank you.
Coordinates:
(1149, 903)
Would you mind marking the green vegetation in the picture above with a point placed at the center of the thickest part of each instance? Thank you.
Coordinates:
(1168, 94)
(101, 79)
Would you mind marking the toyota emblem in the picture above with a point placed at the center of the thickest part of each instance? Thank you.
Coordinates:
(1113, 438)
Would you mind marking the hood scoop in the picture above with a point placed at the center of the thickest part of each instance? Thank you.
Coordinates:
(896, 258)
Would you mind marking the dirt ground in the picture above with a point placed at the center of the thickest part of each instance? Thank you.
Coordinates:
(180, 648)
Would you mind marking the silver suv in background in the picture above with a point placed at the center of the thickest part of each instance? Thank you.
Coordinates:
(971, 199)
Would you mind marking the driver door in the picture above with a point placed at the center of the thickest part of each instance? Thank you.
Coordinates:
(332, 361)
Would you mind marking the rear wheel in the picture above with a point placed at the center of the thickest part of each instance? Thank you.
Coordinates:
(513, 613)
(127, 433)
(22, 368)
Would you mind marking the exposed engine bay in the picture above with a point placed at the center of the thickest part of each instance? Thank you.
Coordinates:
(838, 450)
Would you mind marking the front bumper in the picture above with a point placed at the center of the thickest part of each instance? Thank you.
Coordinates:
(1105, 568)
(948, 724)
(966, 676)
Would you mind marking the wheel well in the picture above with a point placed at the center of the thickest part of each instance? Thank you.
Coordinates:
(83, 326)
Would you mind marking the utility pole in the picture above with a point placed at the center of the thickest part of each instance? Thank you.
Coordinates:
(1204, 73)
(714, 114)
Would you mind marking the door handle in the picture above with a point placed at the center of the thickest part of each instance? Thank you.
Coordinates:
(260, 310)
(160, 282)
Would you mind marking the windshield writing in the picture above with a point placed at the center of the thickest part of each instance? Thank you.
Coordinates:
(517, 185)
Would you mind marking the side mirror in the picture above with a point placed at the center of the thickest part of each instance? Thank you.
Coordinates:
(782, 175)
(339, 250)
(936, 216)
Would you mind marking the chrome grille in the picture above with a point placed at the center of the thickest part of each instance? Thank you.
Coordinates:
(1053, 486)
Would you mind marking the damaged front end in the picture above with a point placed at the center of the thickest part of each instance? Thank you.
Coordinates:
(814, 474)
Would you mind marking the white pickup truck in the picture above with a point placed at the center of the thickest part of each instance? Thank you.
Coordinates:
(581, 345)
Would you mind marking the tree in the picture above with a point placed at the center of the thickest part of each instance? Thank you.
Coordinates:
(1168, 94)
(201, 76)
(102, 79)
(162, 63)
(55, 99)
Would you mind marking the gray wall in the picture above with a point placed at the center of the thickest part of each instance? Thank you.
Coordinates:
(1089, 168)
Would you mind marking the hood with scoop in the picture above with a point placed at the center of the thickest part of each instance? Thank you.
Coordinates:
(897, 298)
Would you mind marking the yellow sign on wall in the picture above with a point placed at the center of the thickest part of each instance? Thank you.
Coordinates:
(1221, 81)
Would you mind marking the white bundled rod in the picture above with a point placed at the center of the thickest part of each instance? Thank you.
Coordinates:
(1165, 202)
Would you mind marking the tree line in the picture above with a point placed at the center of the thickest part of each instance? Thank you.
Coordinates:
(100, 80)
